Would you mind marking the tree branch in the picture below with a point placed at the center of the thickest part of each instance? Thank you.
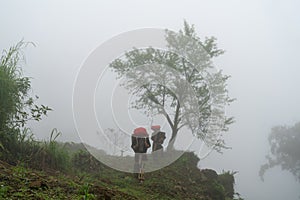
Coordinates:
(168, 118)
(153, 99)
(176, 120)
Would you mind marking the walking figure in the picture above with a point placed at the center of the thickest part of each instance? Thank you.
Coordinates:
(158, 138)
(140, 143)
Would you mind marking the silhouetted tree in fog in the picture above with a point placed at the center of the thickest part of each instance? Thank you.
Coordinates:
(285, 150)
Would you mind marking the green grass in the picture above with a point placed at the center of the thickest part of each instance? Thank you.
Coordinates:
(87, 178)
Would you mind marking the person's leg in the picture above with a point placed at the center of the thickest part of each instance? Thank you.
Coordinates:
(154, 153)
(136, 166)
(142, 158)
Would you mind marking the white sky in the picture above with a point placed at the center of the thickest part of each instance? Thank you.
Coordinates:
(261, 39)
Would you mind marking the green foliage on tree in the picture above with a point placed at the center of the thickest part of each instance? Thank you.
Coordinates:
(285, 152)
(180, 83)
(17, 106)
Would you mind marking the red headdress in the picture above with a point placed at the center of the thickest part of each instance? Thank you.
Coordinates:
(155, 128)
(140, 132)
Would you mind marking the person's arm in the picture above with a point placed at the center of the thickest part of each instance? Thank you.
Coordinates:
(152, 137)
(148, 144)
(162, 137)
(133, 143)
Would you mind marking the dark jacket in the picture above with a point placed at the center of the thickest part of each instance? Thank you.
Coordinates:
(158, 139)
(140, 144)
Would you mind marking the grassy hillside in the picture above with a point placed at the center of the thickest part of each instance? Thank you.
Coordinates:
(32, 169)
(84, 177)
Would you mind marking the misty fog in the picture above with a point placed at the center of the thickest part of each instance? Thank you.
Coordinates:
(260, 38)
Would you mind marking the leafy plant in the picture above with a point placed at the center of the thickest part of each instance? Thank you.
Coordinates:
(53, 155)
(17, 106)
(227, 180)
(3, 190)
(85, 192)
(19, 171)
(83, 161)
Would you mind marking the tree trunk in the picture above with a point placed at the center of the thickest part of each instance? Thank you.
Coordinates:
(170, 146)
(174, 127)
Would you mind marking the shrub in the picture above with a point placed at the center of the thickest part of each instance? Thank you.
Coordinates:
(17, 107)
